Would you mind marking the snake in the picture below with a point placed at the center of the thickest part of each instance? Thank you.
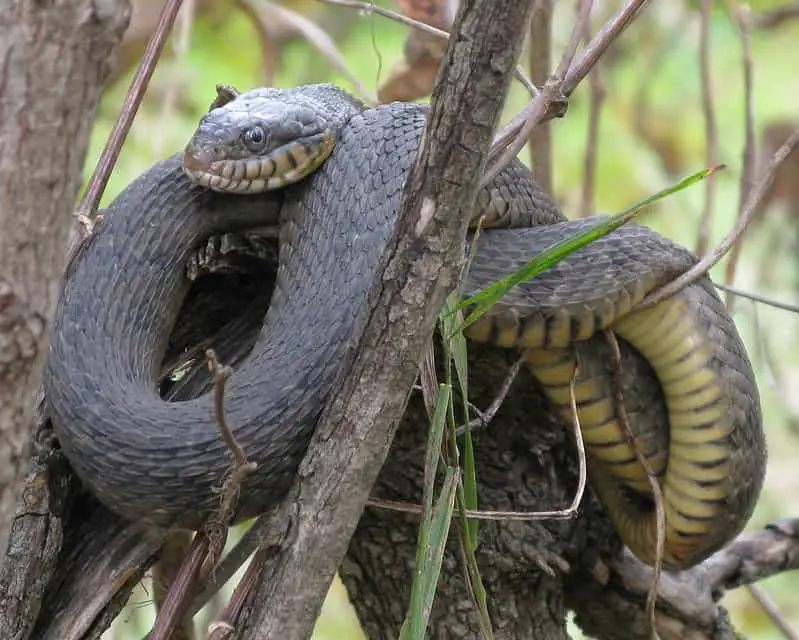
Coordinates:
(326, 175)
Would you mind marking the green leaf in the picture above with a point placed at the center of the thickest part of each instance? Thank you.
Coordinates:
(428, 562)
(455, 348)
(434, 440)
(488, 297)
(416, 618)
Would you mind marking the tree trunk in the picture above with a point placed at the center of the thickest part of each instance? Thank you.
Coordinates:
(420, 266)
(53, 60)
(533, 571)
(525, 462)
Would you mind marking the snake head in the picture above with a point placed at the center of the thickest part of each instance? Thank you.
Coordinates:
(266, 139)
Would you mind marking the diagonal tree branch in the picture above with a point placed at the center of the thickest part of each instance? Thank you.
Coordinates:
(420, 267)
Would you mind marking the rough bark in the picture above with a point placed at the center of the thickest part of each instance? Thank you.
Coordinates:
(71, 563)
(419, 268)
(536, 571)
(533, 571)
(525, 462)
(53, 60)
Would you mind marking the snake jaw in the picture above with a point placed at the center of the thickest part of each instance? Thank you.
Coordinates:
(282, 166)
(265, 139)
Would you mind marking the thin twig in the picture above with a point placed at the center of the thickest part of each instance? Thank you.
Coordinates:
(180, 46)
(549, 103)
(108, 158)
(208, 544)
(740, 14)
(369, 8)
(552, 100)
(165, 573)
(221, 373)
(596, 100)
(484, 418)
(266, 532)
(777, 304)
(579, 29)
(316, 36)
(511, 516)
(216, 527)
(516, 516)
(657, 493)
(711, 128)
(605, 37)
(540, 57)
(768, 605)
(177, 600)
(753, 202)
(582, 462)
(225, 625)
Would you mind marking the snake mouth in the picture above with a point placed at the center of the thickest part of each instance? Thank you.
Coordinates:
(282, 166)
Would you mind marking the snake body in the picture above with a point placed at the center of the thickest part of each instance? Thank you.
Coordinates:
(160, 461)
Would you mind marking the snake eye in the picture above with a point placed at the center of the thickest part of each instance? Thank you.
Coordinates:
(255, 138)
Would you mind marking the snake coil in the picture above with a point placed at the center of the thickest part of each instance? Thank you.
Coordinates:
(146, 458)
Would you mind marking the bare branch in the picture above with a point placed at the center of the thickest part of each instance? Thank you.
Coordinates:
(741, 16)
(221, 374)
(657, 492)
(519, 516)
(688, 600)
(551, 102)
(772, 610)
(133, 99)
(777, 304)
(315, 35)
(753, 202)
(711, 128)
(369, 8)
(209, 542)
(224, 626)
(166, 574)
(484, 418)
(358, 422)
(540, 141)
(606, 36)
(184, 584)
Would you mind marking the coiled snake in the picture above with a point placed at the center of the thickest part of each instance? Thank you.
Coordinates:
(161, 461)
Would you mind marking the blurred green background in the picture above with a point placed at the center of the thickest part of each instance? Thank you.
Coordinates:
(651, 132)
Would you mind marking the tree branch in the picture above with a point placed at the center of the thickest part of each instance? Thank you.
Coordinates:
(420, 267)
(687, 601)
(53, 60)
(540, 43)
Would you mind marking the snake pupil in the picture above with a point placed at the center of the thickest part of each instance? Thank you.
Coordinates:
(255, 138)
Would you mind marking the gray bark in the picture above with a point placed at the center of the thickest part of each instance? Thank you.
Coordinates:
(52, 64)
(71, 563)
(53, 60)
(419, 268)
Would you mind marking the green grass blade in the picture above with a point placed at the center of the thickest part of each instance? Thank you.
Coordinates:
(455, 348)
(450, 325)
(485, 299)
(434, 440)
(428, 570)
(416, 616)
